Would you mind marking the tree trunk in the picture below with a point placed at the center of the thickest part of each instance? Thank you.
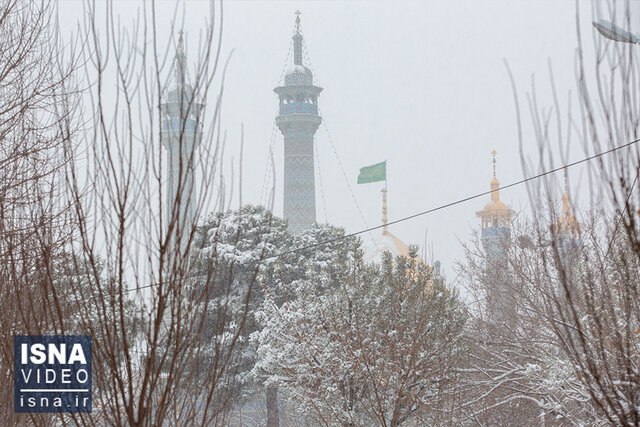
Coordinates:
(273, 418)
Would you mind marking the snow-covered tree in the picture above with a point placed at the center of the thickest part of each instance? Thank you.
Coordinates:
(364, 344)
(233, 253)
(576, 341)
(521, 369)
(245, 255)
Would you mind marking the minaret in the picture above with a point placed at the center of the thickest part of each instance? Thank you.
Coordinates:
(496, 233)
(180, 135)
(566, 227)
(495, 218)
(298, 121)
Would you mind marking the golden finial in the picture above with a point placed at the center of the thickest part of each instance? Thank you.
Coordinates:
(493, 153)
(566, 199)
(495, 184)
(298, 13)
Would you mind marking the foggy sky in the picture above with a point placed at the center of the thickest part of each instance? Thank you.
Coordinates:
(420, 84)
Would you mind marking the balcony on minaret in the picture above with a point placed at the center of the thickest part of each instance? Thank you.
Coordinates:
(298, 99)
(181, 117)
(298, 108)
(180, 111)
(177, 125)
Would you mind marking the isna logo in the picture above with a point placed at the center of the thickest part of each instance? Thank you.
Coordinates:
(52, 373)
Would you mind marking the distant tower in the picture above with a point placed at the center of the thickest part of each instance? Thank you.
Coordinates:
(496, 219)
(298, 121)
(566, 228)
(180, 135)
(496, 233)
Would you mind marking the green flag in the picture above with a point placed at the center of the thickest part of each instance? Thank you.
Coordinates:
(373, 173)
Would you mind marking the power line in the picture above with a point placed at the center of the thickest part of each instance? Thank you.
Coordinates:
(428, 211)
(456, 202)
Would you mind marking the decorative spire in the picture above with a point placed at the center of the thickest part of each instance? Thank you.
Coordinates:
(297, 42)
(567, 225)
(494, 152)
(384, 210)
(566, 198)
(495, 184)
(180, 60)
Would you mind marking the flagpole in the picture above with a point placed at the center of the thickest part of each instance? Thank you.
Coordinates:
(384, 207)
(377, 173)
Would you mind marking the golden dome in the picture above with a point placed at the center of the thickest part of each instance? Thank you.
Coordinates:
(374, 247)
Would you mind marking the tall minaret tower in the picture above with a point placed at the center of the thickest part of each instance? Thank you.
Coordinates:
(180, 135)
(496, 232)
(298, 121)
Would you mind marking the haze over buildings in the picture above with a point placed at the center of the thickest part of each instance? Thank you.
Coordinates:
(422, 85)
